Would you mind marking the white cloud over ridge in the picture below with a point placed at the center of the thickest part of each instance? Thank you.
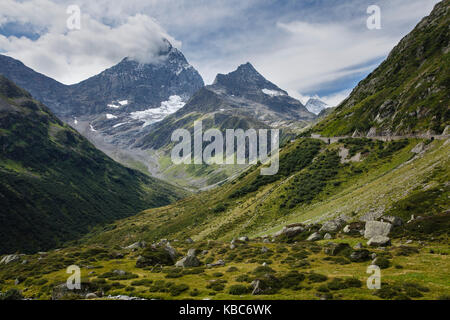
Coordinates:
(305, 50)
(74, 55)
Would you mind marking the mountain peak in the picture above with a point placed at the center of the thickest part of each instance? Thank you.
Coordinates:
(315, 105)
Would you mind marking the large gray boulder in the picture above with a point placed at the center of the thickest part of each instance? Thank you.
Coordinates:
(171, 251)
(189, 261)
(379, 241)
(314, 237)
(290, 231)
(377, 228)
(334, 225)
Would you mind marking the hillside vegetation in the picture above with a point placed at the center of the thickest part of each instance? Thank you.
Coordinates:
(408, 93)
(54, 184)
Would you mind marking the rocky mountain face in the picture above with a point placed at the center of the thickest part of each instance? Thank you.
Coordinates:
(241, 99)
(316, 106)
(409, 93)
(54, 184)
(115, 108)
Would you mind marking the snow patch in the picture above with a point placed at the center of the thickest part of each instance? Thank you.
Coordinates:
(92, 128)
(123, 102)
(113, 106)
(151, 116)
(273, 93)
(119, 124)
(110, 116)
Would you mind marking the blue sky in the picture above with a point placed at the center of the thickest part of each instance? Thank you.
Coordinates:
(306, 47)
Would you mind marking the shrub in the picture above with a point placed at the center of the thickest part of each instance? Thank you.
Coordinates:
(292, 279)
(11, 294)
(316, 277)
(177, 289)
(217, 285)
(382, 262)
(143, 282)
(217, 274)
(263, 270)
(194, 293)
(239, 289)
(244, 278)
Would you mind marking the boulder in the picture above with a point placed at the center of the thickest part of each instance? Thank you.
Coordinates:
(264, 250)
(360, 255)
(265, 285)
(379, 241)
(333, 225)
(219, 263)
(10, 258)
(137, 245)
(119, 272)
(188, 262)
(353, 228)
(314, 237)
(171, 251)
(395, 221)
(243, 239)
(232, 246)
(290, 231)
(327, 236)
(91, 296)
(189, 241)
(377, 228)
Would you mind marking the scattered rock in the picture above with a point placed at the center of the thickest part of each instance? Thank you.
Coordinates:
(327, 236)
(395, 221)
(379, 241)
(290, 231)
(243, 239)
(360, 255)
(359, 245)
(232, 246)
(137, 245)
(408, 242)
(188, 262)
(377, 228)
(374, 255)
(91, 296)
(189, 241)
(333, 225)
(119, 272)
(219, 263)
(354, 228)
(264, 250)
(314, 237)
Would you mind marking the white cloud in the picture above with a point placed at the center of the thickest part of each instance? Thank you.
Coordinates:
(72, 56)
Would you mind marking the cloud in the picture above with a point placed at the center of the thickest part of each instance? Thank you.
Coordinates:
(305, 47)
(72, 56)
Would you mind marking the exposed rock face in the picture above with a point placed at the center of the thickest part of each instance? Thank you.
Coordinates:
(379, 241)
(377, 228)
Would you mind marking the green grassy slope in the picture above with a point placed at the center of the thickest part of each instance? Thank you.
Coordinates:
(54, 184)
(313, 185)
(408, 93)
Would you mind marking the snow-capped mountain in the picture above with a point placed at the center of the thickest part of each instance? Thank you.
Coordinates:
(315, 105)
